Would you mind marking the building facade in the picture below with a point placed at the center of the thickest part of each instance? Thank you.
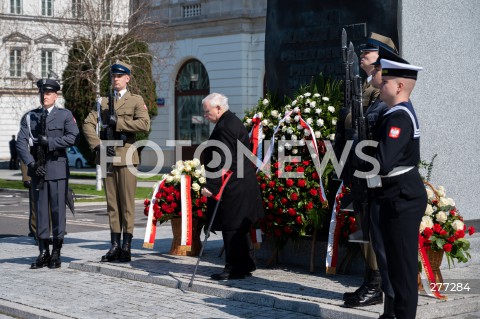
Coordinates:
(215, 46)
(36, 36)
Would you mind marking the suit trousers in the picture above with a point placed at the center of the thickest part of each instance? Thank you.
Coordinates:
(400, 221)
(238, 250)
(50, 203)
(120, 186)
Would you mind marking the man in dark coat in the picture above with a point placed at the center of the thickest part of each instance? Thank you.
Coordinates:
(45, 133)
(241, 203)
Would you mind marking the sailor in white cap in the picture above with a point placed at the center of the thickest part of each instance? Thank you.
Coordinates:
(400, 192)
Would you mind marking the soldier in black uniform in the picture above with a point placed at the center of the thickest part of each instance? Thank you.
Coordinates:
(52, 129)
(398, 188)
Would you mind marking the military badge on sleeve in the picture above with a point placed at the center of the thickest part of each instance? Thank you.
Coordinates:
(394, 132)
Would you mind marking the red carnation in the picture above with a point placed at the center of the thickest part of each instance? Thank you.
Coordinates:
(280, 189)
(270, 205)
(291, 211)
(270, 217)
(298, 220)
(287, 230)
(146, 202)
(173, 205)
(288, 168)
(459, 234)
(271, 184)
(271, 197)
(437, 228)
(278, 232)
(447, 247)
(427, 232)
(278, 220)
(451, 239)
(199, 213)
(158, 215)
(289, 182)
(294, 196)
(471, 230)
(203, 199)
(315, 175)
(300, 169)
(313, 192)
(453, 212)
(306, 162)
(301, 183)
(263, 185)
(145, 210)
(443, 232)
(276, 165)
(309, 205)
(283, 201)
(170, 198)
(279, 210)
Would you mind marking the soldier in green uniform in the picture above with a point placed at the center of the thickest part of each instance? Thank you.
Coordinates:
(131, 116)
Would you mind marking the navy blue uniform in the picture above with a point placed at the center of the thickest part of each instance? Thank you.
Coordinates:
(402, 199)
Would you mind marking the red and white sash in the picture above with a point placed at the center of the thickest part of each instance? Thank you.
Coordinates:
(426, 275)
(333, 236)
(151, 229)
(186, 202)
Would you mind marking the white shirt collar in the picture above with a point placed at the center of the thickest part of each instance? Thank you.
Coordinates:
(121, 93)
(49, 109)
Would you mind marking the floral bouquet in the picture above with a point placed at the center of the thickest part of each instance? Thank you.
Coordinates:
(167, 203)
(443, 228)
(293, 206)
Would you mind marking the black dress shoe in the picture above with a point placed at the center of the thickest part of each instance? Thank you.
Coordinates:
(373, 295)
(227, 276)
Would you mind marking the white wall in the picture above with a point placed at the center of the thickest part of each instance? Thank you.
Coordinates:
(443, 37)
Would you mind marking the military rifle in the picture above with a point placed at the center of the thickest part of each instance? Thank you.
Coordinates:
(108, 132)
(40, 150)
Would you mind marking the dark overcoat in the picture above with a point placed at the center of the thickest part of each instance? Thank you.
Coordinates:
(241, 203)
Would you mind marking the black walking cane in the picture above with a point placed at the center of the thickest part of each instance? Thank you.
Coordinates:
(207, 234)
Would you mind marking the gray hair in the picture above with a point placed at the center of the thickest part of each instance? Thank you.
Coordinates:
(217, 99)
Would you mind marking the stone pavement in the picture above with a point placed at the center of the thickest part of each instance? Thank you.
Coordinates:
(153, 273)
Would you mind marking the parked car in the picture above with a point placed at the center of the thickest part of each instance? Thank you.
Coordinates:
(75, 158)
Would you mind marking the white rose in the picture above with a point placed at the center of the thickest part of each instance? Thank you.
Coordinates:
(301, 142)
(316, 95)
(195, 187)
(288, 107)
(441, 217)
(299, 127)
(263, 136)
(458, 225)
(294, 102)
(289, 130)
(314, 156)
(202, 180)
(318, 111)
(294, 151)
(331, 137)
(176, 178)
(265, 122)
(441, 191)
(307, 132)
(307, 110)
(444, 201)
(274, 113)
(283, 138)
(320, 122)
(426, 222)
(294, 137)
(318, 134)
(307, 94)
(309, 121)
(288, 146)
(284, 129)
(430, 194)
(259, 115)
(265, 102)
(187, 168)
(296, 109)
(288, 119)
(249, 121)
(196, 162)
(307, 101)
(175, 172)
(429, 210)
(331, 109)
(326, 99)
(169, 179)
(280, 149)
(334, 121)
(313, 104)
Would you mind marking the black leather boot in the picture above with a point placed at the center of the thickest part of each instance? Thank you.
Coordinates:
(55, 261)
(371, 295)
(44, 256)
(388, 308)
(125, 254)
(360, 290)
(114, 252)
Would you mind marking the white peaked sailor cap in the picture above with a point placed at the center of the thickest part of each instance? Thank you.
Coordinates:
(399, 69)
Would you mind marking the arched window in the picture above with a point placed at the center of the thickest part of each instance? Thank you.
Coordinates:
(191, 86)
